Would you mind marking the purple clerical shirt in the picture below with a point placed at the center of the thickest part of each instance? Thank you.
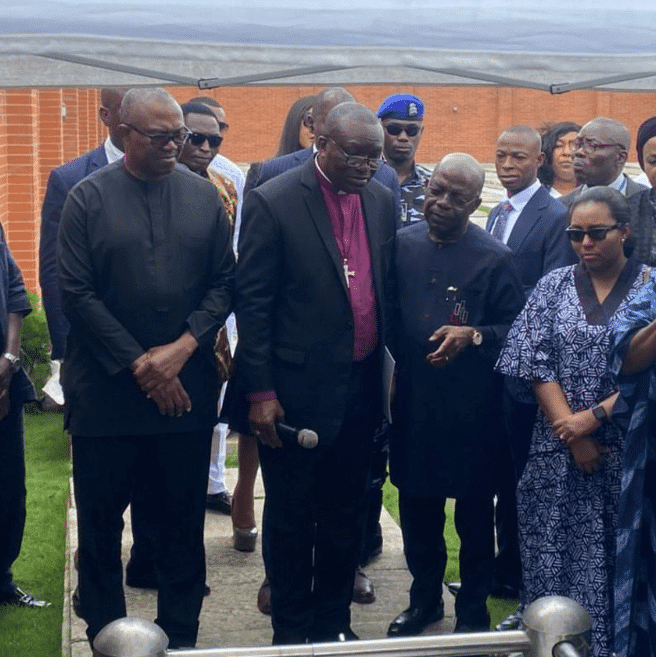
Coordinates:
(349, 229)
(347, 219)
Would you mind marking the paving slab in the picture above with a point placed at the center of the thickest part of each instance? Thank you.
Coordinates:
(230, 616)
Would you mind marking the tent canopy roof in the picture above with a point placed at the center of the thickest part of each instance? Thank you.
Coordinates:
(551, 45)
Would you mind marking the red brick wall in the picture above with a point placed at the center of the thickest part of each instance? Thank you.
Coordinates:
(40, 129)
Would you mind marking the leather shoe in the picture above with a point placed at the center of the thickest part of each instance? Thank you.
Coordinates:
(334, 637)
(221, 502)
(18, 598)
(264, 597)
(512, 622)
(414, 620)
(363, 589)
(454, 587)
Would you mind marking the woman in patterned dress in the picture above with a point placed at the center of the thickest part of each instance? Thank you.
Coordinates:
(632, 359)
(567, 495)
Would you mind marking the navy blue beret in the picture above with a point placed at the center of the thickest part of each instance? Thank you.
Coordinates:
(402, 106)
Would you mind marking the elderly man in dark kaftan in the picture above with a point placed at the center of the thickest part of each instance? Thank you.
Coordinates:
(458, 293)
(146, 269)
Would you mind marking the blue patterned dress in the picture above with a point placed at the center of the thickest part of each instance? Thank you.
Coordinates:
(635, 412)
(567, 518)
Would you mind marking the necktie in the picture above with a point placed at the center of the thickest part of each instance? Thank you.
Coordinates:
(500, 224)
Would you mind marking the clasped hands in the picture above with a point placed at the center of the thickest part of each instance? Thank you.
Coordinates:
(452, 340)
(574, 431)
(156, 373)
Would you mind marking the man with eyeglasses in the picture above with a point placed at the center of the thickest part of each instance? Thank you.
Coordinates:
(402, 118)
(600, 153)
(314, 288)
(147, 273)
(458, 291)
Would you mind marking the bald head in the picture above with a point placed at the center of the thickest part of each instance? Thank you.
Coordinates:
(136, 102)
(324, 102)
(347, 114)
(452, 195)
(153, 132)
(601, 151)
(518, 156)
(465, 167)
(110, 105)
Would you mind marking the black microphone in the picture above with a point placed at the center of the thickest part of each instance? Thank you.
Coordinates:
(303, 437)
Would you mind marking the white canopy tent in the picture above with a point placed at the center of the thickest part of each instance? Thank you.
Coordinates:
(553, 45)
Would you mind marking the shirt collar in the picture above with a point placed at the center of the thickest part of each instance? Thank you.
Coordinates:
(519, 200)
(112, 152)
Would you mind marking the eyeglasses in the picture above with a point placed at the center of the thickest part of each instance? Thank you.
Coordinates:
(358, 160)
(198, 138)
(597, 234)
(395, 129)
(161, 139)
(590, 145)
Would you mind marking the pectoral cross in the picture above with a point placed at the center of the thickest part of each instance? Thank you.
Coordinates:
(347, 272)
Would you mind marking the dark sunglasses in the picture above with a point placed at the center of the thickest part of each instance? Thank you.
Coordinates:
(395, 129)
(198, 138)
(595, 234)
(161, 139)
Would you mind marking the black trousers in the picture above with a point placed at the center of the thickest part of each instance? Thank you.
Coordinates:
(313, 520)
(169, 474)
(12, 492)
(422, 525)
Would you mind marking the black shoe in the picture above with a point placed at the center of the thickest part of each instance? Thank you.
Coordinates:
(454, 587)
(221, 502)
(334, 637)
(504, 591)
(414, 620)
(18, 598)
(473, 624)
(513, 622)
(363, 589)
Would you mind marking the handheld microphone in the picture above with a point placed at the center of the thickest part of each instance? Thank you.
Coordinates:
(303, 437)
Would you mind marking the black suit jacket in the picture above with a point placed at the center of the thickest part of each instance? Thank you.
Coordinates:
(538, 240)
(60, 182)
(293, 310)
(268, 169)
(632, 187)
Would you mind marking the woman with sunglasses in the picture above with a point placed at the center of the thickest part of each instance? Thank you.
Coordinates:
(557, 349)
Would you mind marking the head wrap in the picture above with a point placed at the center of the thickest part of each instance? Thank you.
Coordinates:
(402, 106)
(645, 132)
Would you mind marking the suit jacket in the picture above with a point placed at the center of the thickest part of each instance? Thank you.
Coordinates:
(293, 310)
(632, 187)
(538, 240)
(60, 182)
(268, 169)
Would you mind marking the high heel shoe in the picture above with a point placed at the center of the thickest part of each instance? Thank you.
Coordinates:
(244, 539)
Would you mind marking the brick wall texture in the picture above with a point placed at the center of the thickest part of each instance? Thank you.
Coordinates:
(41, 129)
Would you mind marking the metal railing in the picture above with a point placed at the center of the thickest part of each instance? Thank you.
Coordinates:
(553, 625)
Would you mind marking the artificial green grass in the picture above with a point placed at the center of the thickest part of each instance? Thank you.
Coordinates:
(499, 609)
(39, 570)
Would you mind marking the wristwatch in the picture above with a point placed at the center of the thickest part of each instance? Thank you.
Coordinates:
(14, 360)
(600, 413)
(477, 338)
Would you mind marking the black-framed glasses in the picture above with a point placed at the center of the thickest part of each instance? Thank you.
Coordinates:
(590, 145)
(358, 160)
(395, 129)
(198, 138)
(596, 234)
(161, 139)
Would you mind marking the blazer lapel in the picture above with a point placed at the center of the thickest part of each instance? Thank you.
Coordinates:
(369, 209)
(319, 215)
(491, 218)
(530, 215)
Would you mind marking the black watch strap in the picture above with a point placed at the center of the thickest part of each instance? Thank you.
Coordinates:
(600, 413)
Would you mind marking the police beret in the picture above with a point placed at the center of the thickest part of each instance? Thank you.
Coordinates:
(402, 106)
